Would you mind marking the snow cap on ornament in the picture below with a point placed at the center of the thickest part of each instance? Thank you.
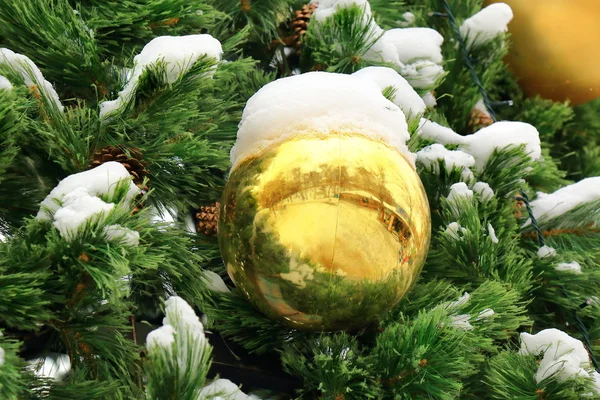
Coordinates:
(328, 104)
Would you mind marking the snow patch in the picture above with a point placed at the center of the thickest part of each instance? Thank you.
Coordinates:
(431, 155)
(564, 356)
(214, 282)
(481, 144)
(122, 235)
(548, 206)
(101, 180)
(31, 74)
(572, 267)
(224, 389)
(75, 201)
(405, 97)
(461, 322)
(326, 8)
(78, 208)
(178, 53)
(5, 83)
(416, 44)
(455, 231)
(459, 192)
(162, 337)
(462, 300)
(486, 24)
(409, 19)
(440, 134)
(330, 104)
(492, 233)
(181, 336)
(485, 314)
(429, 100)
(484, 191)
(546, 251)
(500, 135)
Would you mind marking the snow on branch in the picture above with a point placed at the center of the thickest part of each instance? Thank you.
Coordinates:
(177, 53)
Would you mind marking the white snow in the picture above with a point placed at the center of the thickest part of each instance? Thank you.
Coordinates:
(596, 381)
(122, 235)
(547, 206)
(162, 338)
(459, 192)
(329, 104)
(431, 155)
(32, 76)
(214, 282)
(481, 144)
(181, 316)
(459, 195)
(454, 229)
(572, 267)
(178, 53)
(462, 301)
(224, 389)
(405, 97)
(564, 356)
(480, 106)
(461, 322)
(486, 24)
(500, 135)
(484, 191)
(326, 8)
(181, 327)
(75, 200)
(409, 19)
(492, 233)
(422, 74)
(485, 314)
(546, 251)
(78, 208)
(440, 134)
(5, 83)
(416, 53)
(429, 100)
(416, 44)
(101, 180)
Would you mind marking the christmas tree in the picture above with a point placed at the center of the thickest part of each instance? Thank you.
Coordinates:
(128, 127)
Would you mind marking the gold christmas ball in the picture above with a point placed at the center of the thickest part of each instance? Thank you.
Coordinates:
(325, 233)
(554, 48)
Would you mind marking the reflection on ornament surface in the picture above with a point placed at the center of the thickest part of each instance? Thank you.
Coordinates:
(325, 232)
(553, 48)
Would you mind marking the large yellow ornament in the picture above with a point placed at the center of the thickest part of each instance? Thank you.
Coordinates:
(554, 49)
(325, 232)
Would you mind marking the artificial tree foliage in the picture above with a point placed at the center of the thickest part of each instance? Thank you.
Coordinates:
(85, 296)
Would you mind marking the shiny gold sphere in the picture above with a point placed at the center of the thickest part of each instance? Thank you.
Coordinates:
(554, 48)
(325, 233)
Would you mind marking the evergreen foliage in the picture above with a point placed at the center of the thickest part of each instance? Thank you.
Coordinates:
(85, 296)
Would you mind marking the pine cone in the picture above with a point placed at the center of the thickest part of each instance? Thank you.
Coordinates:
(131, 162)
(207, 218)
(300, 23)
(480, 118)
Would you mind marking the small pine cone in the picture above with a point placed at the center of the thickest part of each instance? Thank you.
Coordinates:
(207, 218)
(480, 118)
(300, 22)
(131, 162)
